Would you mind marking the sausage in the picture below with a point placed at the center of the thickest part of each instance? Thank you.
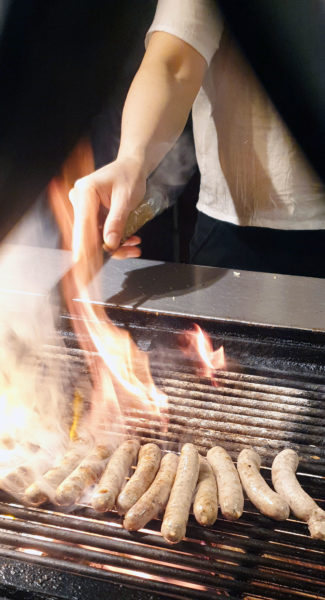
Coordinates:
(260, 494)
(41, 491)
(85, 474)
(286, 484)
(16, 480)
(147, 467)
(231, 497)
(113, 477)
(155, 498)
(177, 510)
(205, 506)
(316, 524)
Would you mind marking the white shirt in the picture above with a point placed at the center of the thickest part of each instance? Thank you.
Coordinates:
(252, 172)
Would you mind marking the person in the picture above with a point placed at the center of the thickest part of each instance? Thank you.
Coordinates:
(260, 206)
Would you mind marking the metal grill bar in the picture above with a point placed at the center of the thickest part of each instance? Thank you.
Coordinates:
(286, 542)
(203, 565)
(256, 381)
(251, 558)
(117, 577)
(205, 434)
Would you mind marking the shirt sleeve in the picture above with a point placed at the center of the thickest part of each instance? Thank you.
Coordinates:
(196, 22)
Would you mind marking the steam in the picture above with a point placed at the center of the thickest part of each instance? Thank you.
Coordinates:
(176, 168)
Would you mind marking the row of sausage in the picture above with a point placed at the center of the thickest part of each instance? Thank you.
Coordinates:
(170, 483)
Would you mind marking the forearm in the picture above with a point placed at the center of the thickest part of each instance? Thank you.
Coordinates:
(159, 100)
(154, 115)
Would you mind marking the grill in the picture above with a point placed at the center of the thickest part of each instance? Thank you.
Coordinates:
(270, 396)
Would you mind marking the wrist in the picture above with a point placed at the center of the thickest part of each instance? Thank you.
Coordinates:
(134, 157)
(145, 159)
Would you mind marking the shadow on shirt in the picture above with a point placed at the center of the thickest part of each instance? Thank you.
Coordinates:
(243, 118)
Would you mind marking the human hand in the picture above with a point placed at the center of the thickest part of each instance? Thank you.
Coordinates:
(119, 187)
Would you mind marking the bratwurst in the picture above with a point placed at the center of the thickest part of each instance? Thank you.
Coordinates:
(260, 494)
(147, 467)
(177, 511)
(286, 484)
(155, 498)
(205, 505)
(85, 474)
(231, 497)
(114, 475)
(42, 490)
(316, 524)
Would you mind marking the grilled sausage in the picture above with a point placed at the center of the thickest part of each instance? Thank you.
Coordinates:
(316, 524)
(256, 488)
(231, 497)
(41, 491)
(286, 484)
(205, 506)
(177, 510)
(15, 481)
(113, 477)
(147, 467)
(155, 498)
(89, 471)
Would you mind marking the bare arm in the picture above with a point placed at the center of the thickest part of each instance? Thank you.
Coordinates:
(160, 99)
(154, 115)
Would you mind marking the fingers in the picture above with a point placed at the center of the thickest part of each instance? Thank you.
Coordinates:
(127, 252)
(134, 240)
(119, 187)
(129, 249)
(85, 204)
(116, 220)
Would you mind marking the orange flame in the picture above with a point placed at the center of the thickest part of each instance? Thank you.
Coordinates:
(120, 370)
(199, 344)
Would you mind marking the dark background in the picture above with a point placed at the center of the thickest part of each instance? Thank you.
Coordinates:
(65, 65)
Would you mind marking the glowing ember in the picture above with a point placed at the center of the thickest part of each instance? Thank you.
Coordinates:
(199, 345)
(120, 371)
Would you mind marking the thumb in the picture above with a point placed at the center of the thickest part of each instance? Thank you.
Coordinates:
(116, 220)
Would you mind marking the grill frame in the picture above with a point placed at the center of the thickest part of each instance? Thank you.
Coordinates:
(241, 341)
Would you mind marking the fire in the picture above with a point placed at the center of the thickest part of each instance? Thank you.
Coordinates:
(77, 415)
(14, 414)
(120, 371)
(198, 344)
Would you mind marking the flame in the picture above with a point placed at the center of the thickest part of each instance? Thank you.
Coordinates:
(77, 414)
(120, 371)
(198, 343)
(14, 414)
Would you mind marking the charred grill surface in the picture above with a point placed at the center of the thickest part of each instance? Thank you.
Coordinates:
(268, 404)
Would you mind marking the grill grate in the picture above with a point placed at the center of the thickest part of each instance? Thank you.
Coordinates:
(253, 558)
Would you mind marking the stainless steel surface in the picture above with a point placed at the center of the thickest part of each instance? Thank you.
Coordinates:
(30, 270)
(214, 294)
(176, 289)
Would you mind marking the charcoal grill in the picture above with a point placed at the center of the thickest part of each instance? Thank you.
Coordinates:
(271, 395)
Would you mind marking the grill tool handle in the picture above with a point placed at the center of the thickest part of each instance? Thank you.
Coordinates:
(154, 203)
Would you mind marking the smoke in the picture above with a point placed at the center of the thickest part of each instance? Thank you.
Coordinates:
(176, 168)
(34, 403)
